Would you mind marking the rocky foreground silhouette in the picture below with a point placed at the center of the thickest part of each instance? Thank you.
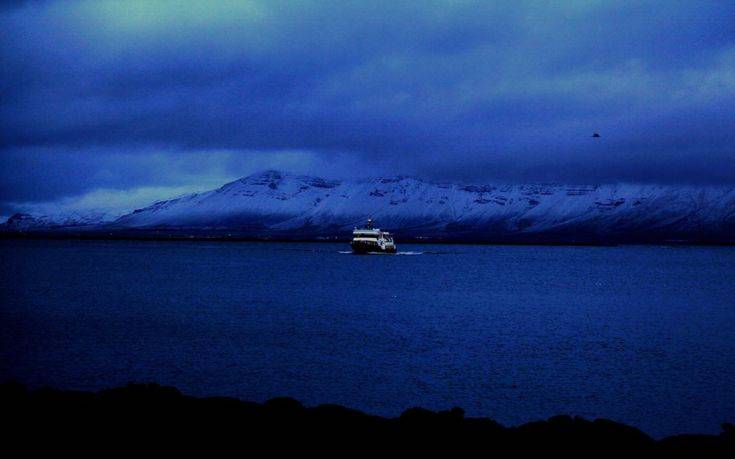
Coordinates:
(145, 418)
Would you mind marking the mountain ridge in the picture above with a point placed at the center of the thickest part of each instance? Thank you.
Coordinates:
(278, 204)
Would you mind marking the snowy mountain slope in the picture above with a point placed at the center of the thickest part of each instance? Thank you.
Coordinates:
(274, 202)
(28, 222)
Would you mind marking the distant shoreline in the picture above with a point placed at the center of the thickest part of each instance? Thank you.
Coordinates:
(182, 236)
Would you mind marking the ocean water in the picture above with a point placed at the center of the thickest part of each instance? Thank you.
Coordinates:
(639, 334)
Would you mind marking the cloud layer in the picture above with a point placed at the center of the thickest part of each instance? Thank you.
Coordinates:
(129, 93)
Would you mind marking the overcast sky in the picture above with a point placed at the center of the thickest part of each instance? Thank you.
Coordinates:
(140, 99)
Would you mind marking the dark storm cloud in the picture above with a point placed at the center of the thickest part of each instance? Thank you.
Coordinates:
(446, 89)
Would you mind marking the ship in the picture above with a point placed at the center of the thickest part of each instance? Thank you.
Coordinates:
(372, 240)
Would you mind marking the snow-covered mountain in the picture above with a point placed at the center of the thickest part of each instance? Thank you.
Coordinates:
(281, 203)
(77, 219)
(278, 204)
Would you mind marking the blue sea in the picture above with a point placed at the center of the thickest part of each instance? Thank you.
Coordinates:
(643, 335)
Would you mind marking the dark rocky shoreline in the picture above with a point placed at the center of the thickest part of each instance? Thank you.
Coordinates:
(162, 417)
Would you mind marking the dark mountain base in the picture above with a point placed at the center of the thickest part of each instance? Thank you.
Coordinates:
(148, 417)
(583, 239)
